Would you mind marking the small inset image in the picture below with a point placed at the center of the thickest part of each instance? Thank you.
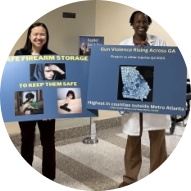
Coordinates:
(29, 102)
(135, 83)
(86, 42)
(69, 100)
(39, 72)
(84, 49)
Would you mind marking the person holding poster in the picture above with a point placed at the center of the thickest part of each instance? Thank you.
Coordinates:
(37, 44)
(134, 123)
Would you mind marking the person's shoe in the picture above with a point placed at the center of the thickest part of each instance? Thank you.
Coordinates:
(126, 186)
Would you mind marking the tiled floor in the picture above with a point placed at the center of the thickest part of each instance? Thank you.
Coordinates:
(99, 166)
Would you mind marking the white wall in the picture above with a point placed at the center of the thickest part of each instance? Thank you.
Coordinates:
(20, 41)
(100, 18)
(64, 32)
(112, 20)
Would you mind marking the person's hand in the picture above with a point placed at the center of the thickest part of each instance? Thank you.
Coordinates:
(31, 107)
(142, 43)
(26, 105)
(56, 68)
(68, 98)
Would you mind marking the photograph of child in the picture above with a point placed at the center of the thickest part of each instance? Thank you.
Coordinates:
(69, 100)
(28, 102)
(51, 71)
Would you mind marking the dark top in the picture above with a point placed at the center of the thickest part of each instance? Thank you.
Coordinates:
(22, 52)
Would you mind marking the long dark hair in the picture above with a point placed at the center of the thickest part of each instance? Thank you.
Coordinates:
(28, 45)
(72, 93)
(28, 96)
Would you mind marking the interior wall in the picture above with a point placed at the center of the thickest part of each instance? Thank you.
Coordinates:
(19, 42)
(112, 20)
(64, 32)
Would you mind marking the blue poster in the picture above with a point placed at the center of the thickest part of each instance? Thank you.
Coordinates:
(47, 86)
(129, 78)
(1, 153)
(85, 43)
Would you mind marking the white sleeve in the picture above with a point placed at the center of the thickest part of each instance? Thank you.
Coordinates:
(122, 43)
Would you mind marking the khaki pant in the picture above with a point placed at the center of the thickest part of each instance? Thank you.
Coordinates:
(133, 156)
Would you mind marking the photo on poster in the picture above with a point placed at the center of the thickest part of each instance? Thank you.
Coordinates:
(135, 83)
(48, 71)
(69, 100)
(85, 43)
(29, 102)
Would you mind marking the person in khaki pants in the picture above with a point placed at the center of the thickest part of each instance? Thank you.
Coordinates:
(134, 123)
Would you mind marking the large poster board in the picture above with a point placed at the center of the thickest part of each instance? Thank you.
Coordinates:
(129, 78)
(47, 86)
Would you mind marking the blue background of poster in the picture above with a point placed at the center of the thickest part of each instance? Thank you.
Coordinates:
(169, 84)
(1, 154)
(19, 72)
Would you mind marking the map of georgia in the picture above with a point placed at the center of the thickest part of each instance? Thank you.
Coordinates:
(134, 85)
